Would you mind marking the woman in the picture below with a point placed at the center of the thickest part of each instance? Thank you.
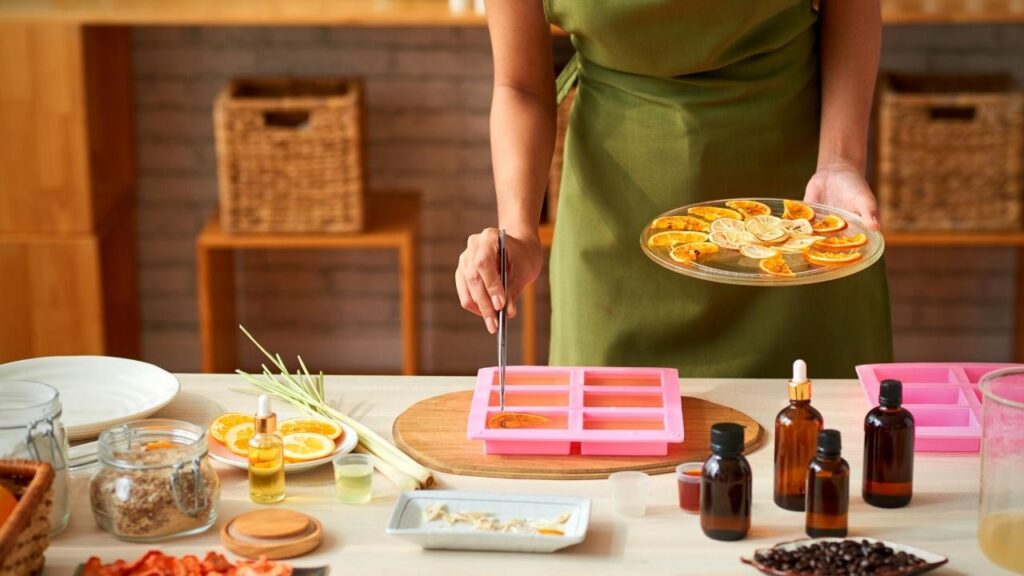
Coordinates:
(681, 102)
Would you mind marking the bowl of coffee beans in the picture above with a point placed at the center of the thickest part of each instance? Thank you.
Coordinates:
(843, 557)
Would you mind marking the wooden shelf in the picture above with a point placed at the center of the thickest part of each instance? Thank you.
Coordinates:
(423, 13)
(1013, 238)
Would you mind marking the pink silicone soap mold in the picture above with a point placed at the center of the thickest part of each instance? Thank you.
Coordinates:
(943, 397)
(605, 411)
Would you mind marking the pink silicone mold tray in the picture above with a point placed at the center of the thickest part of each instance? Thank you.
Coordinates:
(606, 411)
(943, 397)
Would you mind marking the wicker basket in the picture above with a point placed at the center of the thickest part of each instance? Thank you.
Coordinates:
(950, 152)
(555, 176)
(25, 535)
(290, 155)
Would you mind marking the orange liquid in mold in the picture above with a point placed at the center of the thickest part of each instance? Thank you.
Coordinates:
(551, 421)
(513, 399)
(594, 400)
(512, 379)
(595, 423)
(613, 380)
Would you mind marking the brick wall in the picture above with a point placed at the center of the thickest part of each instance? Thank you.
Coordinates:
(428, 93)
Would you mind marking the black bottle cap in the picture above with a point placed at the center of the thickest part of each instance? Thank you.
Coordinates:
(726, 439)
(891, 394)
(830, 442)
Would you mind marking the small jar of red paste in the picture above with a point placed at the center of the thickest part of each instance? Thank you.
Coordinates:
(688, 480)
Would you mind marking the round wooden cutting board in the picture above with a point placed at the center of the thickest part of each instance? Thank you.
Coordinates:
(433, 431)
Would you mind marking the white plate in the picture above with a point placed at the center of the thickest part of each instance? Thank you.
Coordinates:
(407, 520)
(97, 392)
(220, 453)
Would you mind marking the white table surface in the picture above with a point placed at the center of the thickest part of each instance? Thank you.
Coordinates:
(941, 518)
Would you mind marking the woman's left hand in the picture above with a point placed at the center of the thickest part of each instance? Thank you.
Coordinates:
(842, 185)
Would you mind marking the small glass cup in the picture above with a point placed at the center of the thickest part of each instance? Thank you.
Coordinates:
(688, 480)
(1001, 513)
(353, 478)
(630, 491)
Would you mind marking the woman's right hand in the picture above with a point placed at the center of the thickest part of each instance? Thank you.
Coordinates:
(478, 277)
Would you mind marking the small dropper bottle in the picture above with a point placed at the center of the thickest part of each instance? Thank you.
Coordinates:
(828, 488)
(796, 435)
(266, 457)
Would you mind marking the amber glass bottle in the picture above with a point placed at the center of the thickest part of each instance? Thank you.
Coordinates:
(725, 485)
(828, 488)
(889, 450)
(796, 433)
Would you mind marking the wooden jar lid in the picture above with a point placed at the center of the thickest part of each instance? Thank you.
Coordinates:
(276, 534)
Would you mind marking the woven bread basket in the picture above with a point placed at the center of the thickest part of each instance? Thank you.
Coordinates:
(24, 536)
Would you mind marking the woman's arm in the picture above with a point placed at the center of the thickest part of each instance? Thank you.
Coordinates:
(851, 38)
(522, 141)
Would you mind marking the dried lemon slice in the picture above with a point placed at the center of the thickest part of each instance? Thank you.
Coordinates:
(798, 226)
(680, 223)
(673, 237)
(767, 229)
(687, 253)
(776, 266)
(758, 252)
(797, 244)
(749, 208)
(711, 213)
(732, 239)
(727, 224)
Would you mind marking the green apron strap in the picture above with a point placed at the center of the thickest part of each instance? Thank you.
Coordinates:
(567, 78)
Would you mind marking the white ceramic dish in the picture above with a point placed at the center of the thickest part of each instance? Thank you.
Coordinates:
(407, 520)
(347, 443)
(97, 392)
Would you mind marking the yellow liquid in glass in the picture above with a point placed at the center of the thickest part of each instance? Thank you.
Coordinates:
(1001, 536)
(354, 483)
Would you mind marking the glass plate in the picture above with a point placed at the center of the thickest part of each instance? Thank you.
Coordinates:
(731, 267)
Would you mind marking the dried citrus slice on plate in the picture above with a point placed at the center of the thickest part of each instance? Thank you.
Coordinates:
(776, 266)
(758, 252)
(795, 210)
(685, 253)
(315, 425)
(797, 244)
(711, 213)
(516, 420)
(829, 225)
(823, 258)
(798, 226)
(749, 207)
(220, 425)
(727, 224)
(306, 446)
(767, 229)
(673, 237)
(237, 438)
(842, 242)
(680, 223)
(732, 239)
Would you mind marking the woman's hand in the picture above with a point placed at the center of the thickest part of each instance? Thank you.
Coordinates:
(842, 185)
(478, 278)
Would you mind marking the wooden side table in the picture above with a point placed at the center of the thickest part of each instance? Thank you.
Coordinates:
(392, 221)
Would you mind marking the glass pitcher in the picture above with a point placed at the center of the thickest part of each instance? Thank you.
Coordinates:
(31, 429)
(1001, 518)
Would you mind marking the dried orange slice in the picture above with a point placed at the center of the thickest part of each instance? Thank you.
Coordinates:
(798, 226)
(795, 210)
(686, 253)
(749, 207)
(306, 446)
(820, 258)
(237, 438)
(776, 266)
(680, 223)
(732, 239)
(220, 426)
(829, 224)
(758, 252)
(674, 237)
(516, 420)
(842, 242)
(727, 224)
(314, 425)
(712, 213)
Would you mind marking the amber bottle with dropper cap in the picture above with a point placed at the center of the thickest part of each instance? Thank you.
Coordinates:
(889, 450)
(828, 488)
(725, 485)
(266, 457)
(796, 435)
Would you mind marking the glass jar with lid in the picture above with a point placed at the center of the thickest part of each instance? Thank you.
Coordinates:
(31, 428)
(155, 481)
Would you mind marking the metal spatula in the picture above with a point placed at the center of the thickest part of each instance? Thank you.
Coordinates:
(502, 324)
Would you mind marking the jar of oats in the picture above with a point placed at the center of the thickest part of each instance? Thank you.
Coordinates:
(155, 481)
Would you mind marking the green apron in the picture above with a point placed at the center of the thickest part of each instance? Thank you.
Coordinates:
(680, 102)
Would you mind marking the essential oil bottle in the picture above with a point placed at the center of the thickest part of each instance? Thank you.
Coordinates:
(725, 485)
(889, 450)
(828, 488)
(796, 432)
(266, 457)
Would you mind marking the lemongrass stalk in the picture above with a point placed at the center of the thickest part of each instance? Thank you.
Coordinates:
(397, 477)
